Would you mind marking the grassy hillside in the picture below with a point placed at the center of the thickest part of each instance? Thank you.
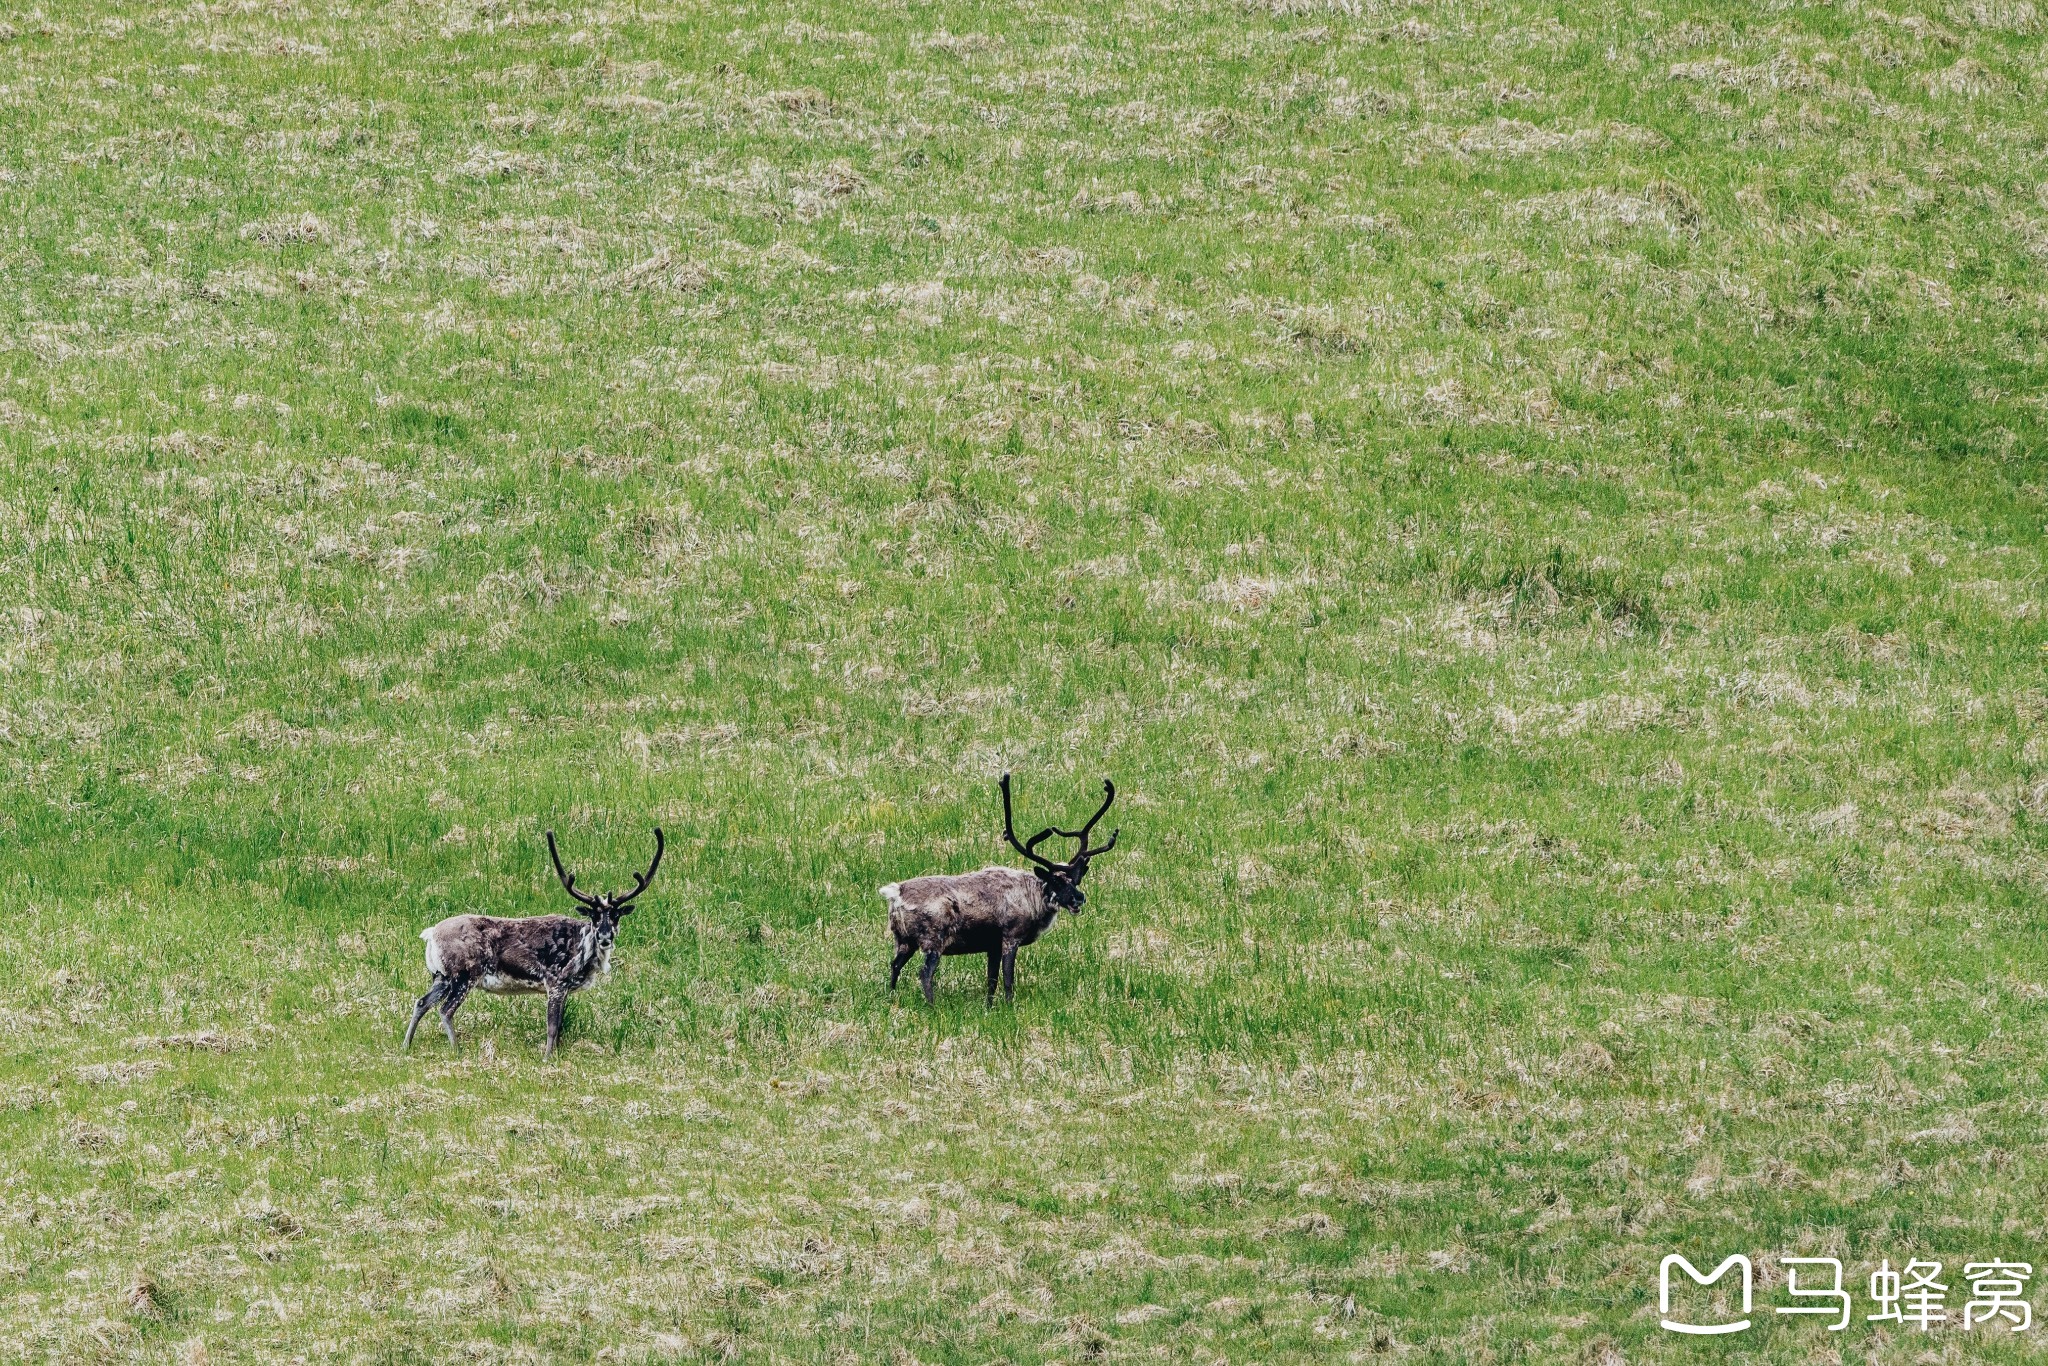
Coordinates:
(1539, 507)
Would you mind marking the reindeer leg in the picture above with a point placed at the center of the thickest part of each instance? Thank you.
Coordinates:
(419, 1012)
(1009, 975)
(450, 1003)
(995, 958)
(903, 952)
(557, 1001)
(929, 978)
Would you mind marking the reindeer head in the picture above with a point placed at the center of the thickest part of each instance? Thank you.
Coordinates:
(606, 908)
(1062, 880)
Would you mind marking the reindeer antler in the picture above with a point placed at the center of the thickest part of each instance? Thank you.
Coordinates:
(641, 880)
(568, 882)
(1030, 850)
(1109, 796)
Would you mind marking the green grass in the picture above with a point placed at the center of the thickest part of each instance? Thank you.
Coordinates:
(1540, 508)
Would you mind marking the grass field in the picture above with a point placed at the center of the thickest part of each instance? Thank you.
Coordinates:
(1540, 508)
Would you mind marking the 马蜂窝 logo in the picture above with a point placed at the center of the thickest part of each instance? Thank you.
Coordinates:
(1664, 1293)
(1913, 1297)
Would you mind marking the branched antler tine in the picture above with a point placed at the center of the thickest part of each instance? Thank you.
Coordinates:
(1043, 836)
(1010, 831)
(1107, 847)
(568, 882)
(641, 880)
(1108, 797)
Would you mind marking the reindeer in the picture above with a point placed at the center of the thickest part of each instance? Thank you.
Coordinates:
(995, 911)
(551, 954)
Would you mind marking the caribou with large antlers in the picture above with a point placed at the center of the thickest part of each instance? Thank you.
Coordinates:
(995, 911)
(545, 954)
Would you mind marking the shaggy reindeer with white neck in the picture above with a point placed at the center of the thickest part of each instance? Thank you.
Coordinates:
(995, 911)
(544, 954)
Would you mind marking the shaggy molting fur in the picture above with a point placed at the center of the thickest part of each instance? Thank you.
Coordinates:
(550, 955)
(995, 911)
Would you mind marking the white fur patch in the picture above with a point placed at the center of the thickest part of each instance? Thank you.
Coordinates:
(586, 951)
(433, 953)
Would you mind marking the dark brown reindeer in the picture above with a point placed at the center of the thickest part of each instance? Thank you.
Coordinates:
(544, 954)
(995, 911)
